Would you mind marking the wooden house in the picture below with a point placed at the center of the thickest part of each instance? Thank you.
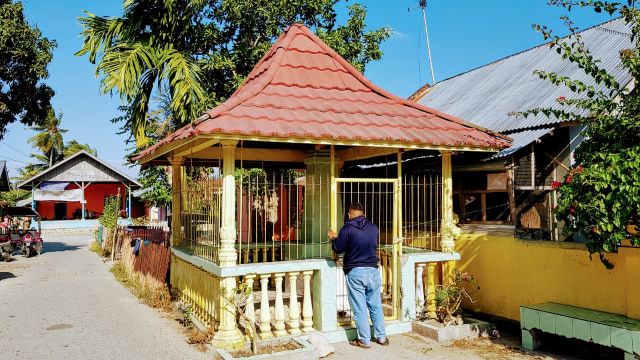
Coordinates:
(515, 186)
(76, 188)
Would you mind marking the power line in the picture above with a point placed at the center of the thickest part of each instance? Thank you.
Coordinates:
(18, 161)
(10, 146)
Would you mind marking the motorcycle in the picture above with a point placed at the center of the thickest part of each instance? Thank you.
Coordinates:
(22, 229)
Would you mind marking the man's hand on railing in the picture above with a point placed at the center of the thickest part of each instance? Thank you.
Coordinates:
(332, 234)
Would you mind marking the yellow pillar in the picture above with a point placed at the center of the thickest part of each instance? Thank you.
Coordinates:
(333, 206)
(431, 290)
(176, 202)
(228, 334)
(397, 241)
(447, 228)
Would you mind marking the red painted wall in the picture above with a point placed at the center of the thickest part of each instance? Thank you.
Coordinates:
(94, 195)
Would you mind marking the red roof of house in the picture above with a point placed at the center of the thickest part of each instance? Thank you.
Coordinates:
(302, 89)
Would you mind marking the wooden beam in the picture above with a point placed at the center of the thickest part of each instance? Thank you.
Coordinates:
(194, 147)
(251, 154)
(359, 153)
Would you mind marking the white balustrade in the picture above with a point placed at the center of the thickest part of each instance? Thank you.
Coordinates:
(249, 311)
(307, 308)
(294, 308)
(265, 312)
(279, 307)
(419, 289)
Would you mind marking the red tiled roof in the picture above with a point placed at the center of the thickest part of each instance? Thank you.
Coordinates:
(302, 89)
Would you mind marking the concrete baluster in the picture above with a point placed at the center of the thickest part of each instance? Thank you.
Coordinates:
(279, 307)
(307, 308)
(265, 313)
(294, 308)
(419, 289)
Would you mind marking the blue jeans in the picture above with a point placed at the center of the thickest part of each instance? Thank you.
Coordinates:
(364, 284)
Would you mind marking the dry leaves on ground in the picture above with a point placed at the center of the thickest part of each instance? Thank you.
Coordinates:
(490, 350)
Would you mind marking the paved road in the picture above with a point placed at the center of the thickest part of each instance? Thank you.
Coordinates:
(65, 304)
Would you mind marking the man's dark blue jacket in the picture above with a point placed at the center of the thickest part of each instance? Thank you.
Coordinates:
(358, 240)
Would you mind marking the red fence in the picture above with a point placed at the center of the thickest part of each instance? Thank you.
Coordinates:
(149, 249)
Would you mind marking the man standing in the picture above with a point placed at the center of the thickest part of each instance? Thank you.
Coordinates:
(358, 240)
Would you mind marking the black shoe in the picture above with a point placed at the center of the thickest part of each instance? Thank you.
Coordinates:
(359, 343)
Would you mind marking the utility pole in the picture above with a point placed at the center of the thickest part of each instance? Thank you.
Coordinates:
(423, 6)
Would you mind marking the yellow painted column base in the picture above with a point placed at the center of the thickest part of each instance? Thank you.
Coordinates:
(228, 335)
(229, 339)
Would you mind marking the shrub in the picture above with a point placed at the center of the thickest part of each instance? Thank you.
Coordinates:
(449, 296)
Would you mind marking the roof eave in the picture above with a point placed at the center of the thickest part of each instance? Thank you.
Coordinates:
(165, 149)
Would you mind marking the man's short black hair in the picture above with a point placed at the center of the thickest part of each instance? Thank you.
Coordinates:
(356, 206)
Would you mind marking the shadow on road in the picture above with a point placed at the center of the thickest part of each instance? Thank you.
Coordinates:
(6, 275)
(59, 246)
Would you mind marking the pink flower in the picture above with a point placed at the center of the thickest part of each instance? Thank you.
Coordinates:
(556, 184)
(561, 99)
(569, 179)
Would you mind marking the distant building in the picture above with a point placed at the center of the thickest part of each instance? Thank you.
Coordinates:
(4, 176)
(516, 183)
(76, 188)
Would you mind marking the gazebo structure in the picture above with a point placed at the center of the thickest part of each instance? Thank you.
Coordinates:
(257, 183)
(76, 187)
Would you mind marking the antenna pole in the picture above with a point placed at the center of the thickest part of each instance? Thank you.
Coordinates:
(423, 5)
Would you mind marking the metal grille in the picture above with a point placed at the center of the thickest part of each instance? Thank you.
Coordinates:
(421, 209)
(378, 199)
(200, 212)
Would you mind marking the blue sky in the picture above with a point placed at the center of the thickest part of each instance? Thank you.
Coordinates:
(464, 34)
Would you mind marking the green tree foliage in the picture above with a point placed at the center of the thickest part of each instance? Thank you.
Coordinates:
(49, 138)
(110, 213)
(73, 147)
(24, 56)
(155, 179)
(202, 50)
(600, 197)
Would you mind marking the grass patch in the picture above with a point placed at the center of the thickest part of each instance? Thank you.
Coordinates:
(155, 296)
(200, 338)
(95, 247)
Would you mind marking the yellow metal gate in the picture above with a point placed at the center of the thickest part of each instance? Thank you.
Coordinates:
(381, 200)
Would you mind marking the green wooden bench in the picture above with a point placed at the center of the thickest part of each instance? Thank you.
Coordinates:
(579, 323)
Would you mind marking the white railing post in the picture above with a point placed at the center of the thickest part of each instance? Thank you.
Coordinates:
(419, 289)
(307, 308)
(279, 307)
(294, 309)
(250, 311)
(265, 313)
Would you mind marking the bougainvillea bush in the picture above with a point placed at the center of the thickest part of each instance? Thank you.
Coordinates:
(600, 197)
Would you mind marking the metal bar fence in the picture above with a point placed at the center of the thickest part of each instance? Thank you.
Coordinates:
(284, 214)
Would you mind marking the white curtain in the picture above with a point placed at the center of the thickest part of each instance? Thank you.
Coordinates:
(64, 195)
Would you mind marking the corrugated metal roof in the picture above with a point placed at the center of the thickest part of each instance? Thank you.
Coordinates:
(80, 166)
(302, 89)
(521, 139)
(487, 95)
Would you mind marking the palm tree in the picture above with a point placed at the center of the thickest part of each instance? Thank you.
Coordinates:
(73, 147)
(136, 53)
(49, 137)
